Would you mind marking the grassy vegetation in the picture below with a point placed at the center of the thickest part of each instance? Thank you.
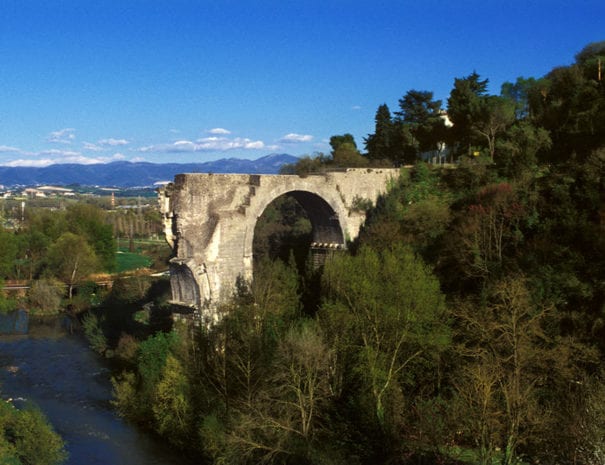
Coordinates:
(127, 261)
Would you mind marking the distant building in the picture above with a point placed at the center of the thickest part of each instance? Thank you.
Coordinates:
(33, 193)
(55, 190)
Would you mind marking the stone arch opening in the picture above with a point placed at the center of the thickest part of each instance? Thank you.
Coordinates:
(284, 228)
(325, 231)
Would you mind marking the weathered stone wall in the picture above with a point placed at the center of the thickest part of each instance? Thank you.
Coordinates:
(210, 221)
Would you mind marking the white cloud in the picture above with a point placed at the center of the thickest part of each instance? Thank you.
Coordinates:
(6, 148)
(294, 138)
(224, 144)
(356, 107)
(62, 136)
(220, 131)
(60, 153)
(56, 157)
(105, 143)
(111, 142)
(29, 163)
(92, 147)
(206, 144)
(256, 144)
(63, 157)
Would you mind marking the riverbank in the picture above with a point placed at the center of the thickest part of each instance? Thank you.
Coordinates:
(57, 371)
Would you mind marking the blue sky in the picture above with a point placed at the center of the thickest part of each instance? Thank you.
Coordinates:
(193, 81)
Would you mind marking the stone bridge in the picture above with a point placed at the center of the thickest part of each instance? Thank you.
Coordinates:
(209, 221)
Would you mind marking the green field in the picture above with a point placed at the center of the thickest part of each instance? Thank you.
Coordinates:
(127, 261)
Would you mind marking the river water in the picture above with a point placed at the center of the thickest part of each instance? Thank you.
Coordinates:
(70, 384)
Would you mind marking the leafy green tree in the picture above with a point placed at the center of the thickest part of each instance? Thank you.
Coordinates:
(33, 246)
(416, 211)
(275, 289)
(347, 156)
(71, 260)
(8, 253)
(519, 149)
(397, 314)
(89, 221)
(570, 103)
(6, 304)
(338, 140)
(49, 223)
(27, 438)
(306, 165)
(153, 353)
(172, 409)
(518, 92)
(45, 296)
(592, 60)
(494, 115)
(94, 332)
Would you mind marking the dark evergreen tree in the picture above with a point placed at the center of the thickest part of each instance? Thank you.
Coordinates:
(462, 109)
(422, 118)
(380, 144)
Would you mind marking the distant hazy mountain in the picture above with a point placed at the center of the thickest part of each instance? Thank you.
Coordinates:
(127, 174)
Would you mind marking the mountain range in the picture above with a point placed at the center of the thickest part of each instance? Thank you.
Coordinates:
(130, 174)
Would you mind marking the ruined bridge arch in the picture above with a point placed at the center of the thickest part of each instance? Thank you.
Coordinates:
(210, 220)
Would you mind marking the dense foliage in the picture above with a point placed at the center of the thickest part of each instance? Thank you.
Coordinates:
(26, 438)
(45, 241)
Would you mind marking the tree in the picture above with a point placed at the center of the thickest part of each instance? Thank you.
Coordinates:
(172, 409)
(519, 94)
(423, 116)
(494, 115)
(519, 148)
(380, 144)
(398, 316)
(306, 165)
(32, 439)
(74, 258)
(89, 221)
(486, 231)
(33, 247)
(6, 304)
(347, 156)
(283, 421)
(302, 377)
(338, 140)
(71, 260)
(592, 60)
(512, 363)
(345, 153)
(8, 253)
(570, 103)
(45, 296)
(462, 107)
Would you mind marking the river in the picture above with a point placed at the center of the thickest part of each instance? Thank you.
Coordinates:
(59, 373)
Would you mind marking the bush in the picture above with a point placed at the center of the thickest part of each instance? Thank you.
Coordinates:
(45, 296)
(26, 437)
(94, 333)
